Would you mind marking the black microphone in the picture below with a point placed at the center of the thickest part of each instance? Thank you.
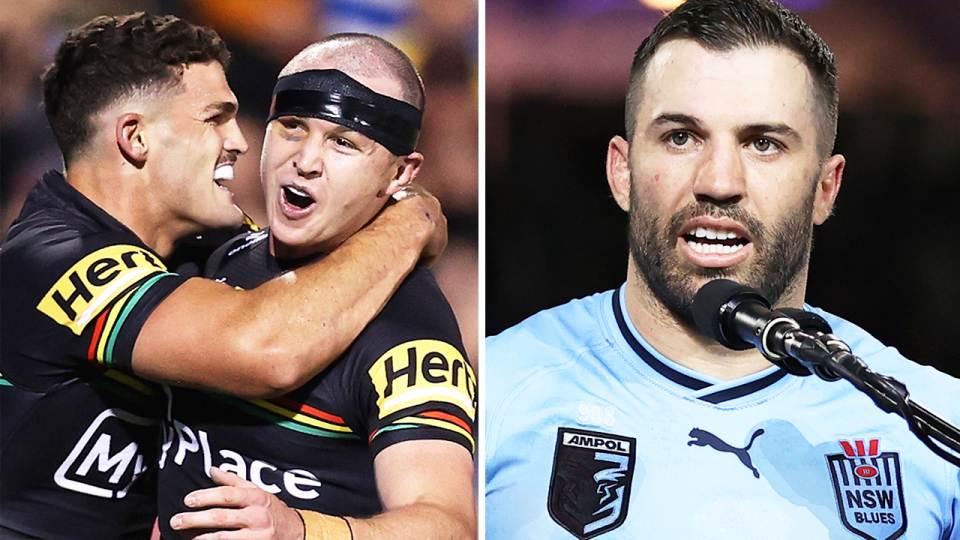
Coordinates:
(739, 317)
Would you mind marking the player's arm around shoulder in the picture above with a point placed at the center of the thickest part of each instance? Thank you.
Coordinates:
(272, 339)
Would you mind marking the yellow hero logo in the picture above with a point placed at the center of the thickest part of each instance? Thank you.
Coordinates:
(420, 371)
(94, 282)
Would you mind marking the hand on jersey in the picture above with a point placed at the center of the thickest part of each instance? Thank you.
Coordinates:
(236, 509)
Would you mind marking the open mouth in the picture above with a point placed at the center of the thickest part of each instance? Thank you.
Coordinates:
(223, 173)
(708, 240)
(296, 197)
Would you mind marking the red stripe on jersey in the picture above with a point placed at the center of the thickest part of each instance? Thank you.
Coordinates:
(97, 330)
(307, 409)
(439, 415)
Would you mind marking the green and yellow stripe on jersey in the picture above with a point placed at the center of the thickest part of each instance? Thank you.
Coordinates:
(436, 419)
(102, 288)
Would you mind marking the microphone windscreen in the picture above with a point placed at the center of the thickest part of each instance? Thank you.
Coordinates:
(709, 311)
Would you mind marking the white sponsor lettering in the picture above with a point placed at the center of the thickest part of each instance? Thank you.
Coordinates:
(297, 482)
(96, 460)
(100, 453)
(237, 465)
(256, 470)
(294, 479)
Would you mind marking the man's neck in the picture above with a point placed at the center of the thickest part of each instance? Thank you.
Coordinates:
(684, 344)
(294, 256)
(123, 192)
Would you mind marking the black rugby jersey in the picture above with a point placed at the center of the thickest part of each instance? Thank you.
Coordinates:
(79, 435)
(406, 377)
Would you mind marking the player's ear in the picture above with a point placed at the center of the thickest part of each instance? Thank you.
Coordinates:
(828, 186)
(618, 171)
(407, 170)
(131, 140)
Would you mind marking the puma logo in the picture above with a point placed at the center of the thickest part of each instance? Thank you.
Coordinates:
(705, 438)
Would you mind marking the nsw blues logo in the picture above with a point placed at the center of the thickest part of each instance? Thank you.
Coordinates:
(869, 490)
(590, 484)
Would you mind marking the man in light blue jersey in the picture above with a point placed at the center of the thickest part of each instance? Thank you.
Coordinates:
(612, 417)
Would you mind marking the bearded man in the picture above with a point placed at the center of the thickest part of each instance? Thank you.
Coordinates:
(613, 415)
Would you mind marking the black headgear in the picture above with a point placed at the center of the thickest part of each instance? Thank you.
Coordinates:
(330, 94)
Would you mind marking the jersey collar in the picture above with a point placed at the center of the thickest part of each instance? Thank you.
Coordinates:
(692, 384)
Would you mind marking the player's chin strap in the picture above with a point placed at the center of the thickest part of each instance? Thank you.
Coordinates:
(317, 526)
(332, 95)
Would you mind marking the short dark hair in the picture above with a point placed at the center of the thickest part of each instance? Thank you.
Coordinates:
(723, 25)
(110, 57)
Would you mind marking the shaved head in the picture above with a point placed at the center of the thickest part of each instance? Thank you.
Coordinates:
(362, 56)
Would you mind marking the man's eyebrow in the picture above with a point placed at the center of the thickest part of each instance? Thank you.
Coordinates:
(220, 107)
(693, 122)
(677, 118)
(774, 129)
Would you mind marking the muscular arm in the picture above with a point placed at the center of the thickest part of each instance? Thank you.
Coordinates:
(271, 339)
(427, 492)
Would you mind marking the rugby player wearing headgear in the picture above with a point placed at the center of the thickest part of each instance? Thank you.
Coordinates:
(385, 436)
(147, 125)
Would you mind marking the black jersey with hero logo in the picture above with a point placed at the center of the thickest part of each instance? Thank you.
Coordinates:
(79, 434)
(406, 377)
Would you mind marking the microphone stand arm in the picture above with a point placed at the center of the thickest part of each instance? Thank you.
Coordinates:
(831, 359)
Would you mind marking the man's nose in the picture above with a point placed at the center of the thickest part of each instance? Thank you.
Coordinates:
(721, 175)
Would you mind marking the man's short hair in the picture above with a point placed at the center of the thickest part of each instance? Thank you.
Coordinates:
(364, 54)
(112, 57)
(724, 25)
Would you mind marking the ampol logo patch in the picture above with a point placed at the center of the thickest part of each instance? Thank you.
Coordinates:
(590, 485)
(869, 490)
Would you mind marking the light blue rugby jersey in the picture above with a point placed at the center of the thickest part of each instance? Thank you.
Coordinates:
(591, 433)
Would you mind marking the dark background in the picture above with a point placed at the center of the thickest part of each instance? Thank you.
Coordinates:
(889, 258)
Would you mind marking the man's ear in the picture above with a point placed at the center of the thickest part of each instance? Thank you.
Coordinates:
(618, 171)
(131, 140)
(407, 171)
(828, 186)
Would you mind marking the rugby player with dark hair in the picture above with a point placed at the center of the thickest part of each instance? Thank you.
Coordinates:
(379, 445)
(147, 125)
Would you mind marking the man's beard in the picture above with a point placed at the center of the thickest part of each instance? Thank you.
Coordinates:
(780, 252)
